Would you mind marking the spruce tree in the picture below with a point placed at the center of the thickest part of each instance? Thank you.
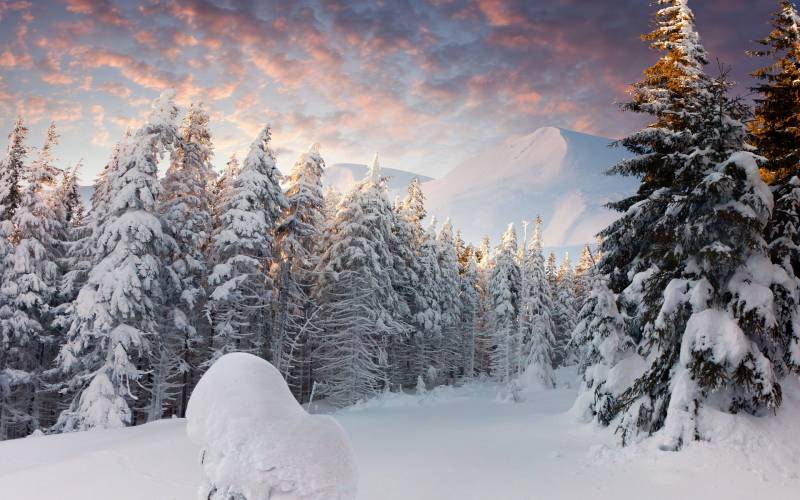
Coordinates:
(297, 238)
(688, 255)
(28, 291)
(12, 170)
(117, 313)
(775, 131)
(536, 315)
(564, 313)
(354, 287)
(504, 292)
(242, 254)
(449, 286)
(185, 208)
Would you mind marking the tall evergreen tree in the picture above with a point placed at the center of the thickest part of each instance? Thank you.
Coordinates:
(242, 254)
(536, 315)
(28, 291)
(450, 285)
(118, 309)
(185, 208)
(775, 130)
(564, 313)
(357, 295)
(297, 237)
(504, 290)
(688, 254)
(12, 170)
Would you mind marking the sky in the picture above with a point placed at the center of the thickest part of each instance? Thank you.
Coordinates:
(425, 83)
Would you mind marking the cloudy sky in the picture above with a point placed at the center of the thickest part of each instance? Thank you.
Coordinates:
(426, 83)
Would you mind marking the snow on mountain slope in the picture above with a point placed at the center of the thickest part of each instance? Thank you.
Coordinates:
(453, 442)
(342, 176)
(557, 173)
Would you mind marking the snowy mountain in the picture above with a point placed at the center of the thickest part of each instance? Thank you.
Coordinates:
(553, 172)
(343, 176)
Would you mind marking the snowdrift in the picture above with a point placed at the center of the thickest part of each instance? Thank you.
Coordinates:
(258, 442)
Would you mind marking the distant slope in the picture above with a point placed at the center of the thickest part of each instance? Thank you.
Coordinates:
(342, 176)
(553, 172)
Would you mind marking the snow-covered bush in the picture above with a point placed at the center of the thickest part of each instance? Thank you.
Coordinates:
(258, 443)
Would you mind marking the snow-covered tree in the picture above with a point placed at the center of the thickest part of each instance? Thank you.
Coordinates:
(483, 334)
(27, 293)
(12, 170)
(185, 207)
(118, 309)
(775, 131)
(469, 306)
(688, 256)
(504, 292)
(357, 295)
(242, 254)
(297, 243)
(582, 277)
(564, 312)
(600, 333)
(535, 316)
(449, 286)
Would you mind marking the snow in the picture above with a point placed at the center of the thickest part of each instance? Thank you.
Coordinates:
(258, 442)
(447, 443)
(344, 176)
(553, 172)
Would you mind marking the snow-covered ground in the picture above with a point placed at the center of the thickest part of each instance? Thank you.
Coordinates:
(460, 443)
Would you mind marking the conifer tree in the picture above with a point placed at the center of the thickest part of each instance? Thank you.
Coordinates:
(242, 254)
(449, 286)
(185, 207)
(297, 243)
(28, 291)
(775, 131)
(504, 290)
(688, 254)
(564, 313)
(12, 170)
(357, 295)
(583, 277)
(118, 310)
(483, 340)
(535, 319)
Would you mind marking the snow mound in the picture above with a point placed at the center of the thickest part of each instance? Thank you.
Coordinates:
(258, 443)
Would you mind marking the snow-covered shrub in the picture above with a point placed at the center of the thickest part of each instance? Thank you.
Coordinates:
(258, 443)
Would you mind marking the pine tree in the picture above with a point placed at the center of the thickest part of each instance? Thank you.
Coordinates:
(297, 243)
(469, 305)
(550, 271)
(535, 319)
(242, 254)
(118, 309)
(600, 333)
(403, 352)
(449, 286)
(583, 277)
(12, 170)
(357, 295)
(28, 291)
(504, 290)
(185, 208)
(564, 313)
(688, 254)
(775, 131)
(483, 334)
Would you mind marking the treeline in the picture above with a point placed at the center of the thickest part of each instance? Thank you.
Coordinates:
(695, 309)
(110, 316)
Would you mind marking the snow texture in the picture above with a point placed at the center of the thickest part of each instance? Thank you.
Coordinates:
(257, 442)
